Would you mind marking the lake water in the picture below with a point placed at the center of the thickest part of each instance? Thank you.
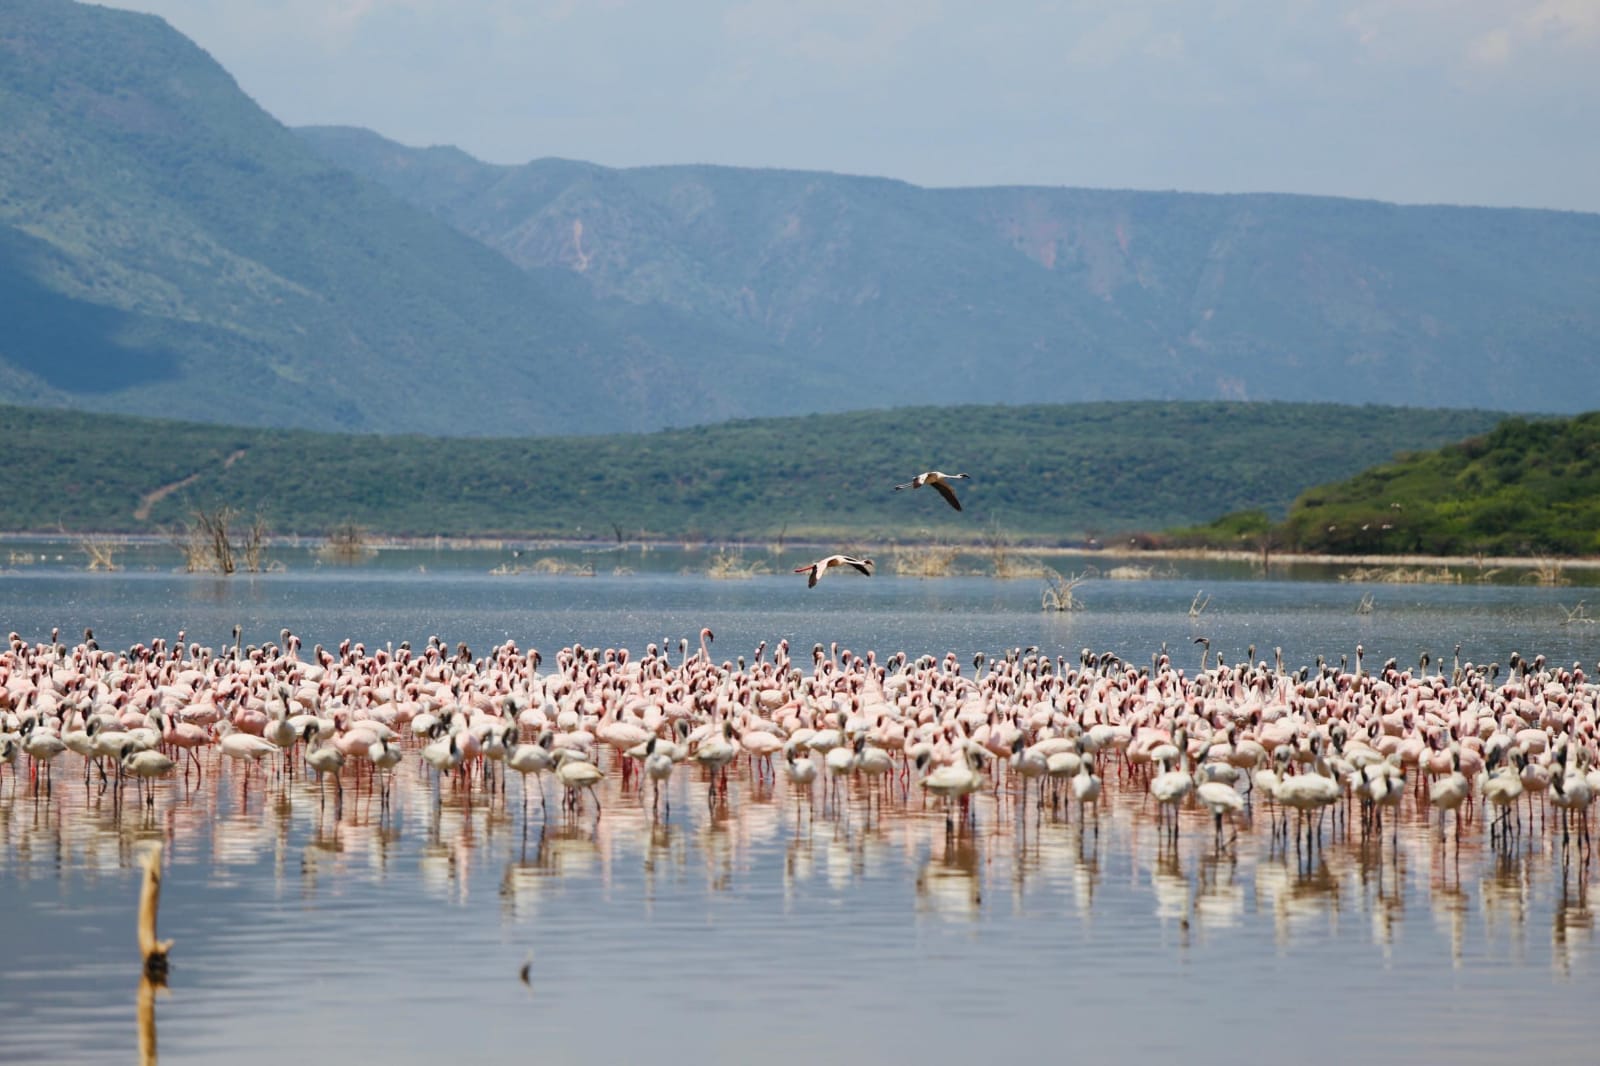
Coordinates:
(756, 930)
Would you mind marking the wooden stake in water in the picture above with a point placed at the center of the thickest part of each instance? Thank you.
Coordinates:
(154, 951)
(146, 1004)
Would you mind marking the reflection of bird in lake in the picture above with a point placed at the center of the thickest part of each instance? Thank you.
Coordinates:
(823, 565)
(938, 480)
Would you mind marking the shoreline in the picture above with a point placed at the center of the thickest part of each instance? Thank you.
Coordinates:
(1122, 556)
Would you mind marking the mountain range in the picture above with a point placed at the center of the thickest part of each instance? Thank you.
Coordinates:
(169, 248)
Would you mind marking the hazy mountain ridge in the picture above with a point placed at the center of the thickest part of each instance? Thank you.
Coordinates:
(167, 248)
(1018, 294)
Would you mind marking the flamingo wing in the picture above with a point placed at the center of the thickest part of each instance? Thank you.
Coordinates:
(948, 493)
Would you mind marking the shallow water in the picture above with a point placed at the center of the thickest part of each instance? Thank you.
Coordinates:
(757, 928)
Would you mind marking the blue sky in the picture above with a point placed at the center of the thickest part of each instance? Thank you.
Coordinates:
(1415, 101)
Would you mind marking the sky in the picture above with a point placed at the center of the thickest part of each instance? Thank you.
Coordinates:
(1489, 102)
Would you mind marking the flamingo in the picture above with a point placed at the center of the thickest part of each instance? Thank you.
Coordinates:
(939, 481)
(800, 772)
(9, 750)
(949, 782)
(384, 756)
(1311, 791)
(823, 565)
(144, 765)
(1171, 787)
(575, 773)
(1570, 792)
(658, 768)
(1086, 786)
(243, 747)
(43, 746)
(1501, 788)
(715, 753)
(873, 762)
(325, 759)
(1221, 800)
(528, 759)
(1450, 792)
(185, 736)
(443, 755)
(1028, 763)
(842, 761)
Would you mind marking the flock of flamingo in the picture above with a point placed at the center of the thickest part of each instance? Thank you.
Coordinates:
(1233, 740)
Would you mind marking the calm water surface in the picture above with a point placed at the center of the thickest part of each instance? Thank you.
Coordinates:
(759, 929)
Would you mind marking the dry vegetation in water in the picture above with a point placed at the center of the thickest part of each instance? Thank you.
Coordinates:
(1130, 572)
(1577, 615)
(551, 565)
(101, 552)
(1060, 592)
(547, 564)
(1549, 573)
(348, 543)
(1403, 575)
(730, 565)
(932, 560)
(209, 545)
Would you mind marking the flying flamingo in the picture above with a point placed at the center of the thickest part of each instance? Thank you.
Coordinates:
(823, 565)
(938, 480)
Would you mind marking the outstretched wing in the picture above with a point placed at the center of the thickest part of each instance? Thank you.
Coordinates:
(863, 565)
(948, 493)
(812, 570)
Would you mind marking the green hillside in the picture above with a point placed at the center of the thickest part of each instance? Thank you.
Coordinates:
(168, 248)
(1053, 474)
(1524, 488)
